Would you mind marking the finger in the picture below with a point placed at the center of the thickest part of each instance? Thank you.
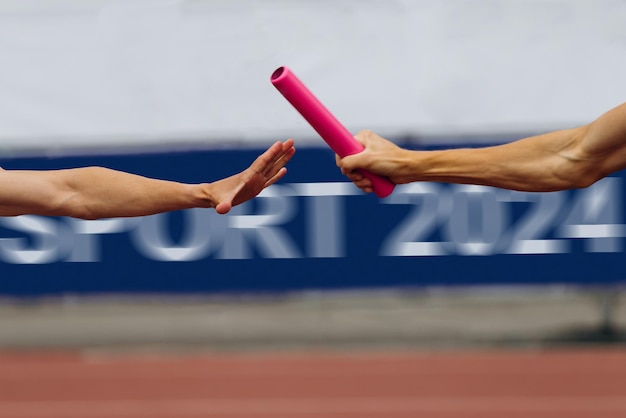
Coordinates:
(276, 156)
(355, 176)
(260, 164)
(347, 163)
(364, 184)
(363, 136)
(280, 163)
(280, 174)
(287, 146)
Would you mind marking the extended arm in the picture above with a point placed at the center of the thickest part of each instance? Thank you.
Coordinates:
(557, 160)
(96, 192)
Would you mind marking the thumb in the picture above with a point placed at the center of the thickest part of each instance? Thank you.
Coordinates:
(355, 161)
(349, 162)
(223, 208)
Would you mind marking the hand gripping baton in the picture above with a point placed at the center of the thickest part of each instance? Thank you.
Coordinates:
(327, 126)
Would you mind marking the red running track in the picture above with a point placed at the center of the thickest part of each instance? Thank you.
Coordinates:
(573, 384)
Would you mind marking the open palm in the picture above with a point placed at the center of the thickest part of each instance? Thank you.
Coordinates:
(266, 170)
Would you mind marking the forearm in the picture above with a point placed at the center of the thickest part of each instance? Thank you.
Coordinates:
(554, 161)
(559, 160)
(540, 163)
(94, 192)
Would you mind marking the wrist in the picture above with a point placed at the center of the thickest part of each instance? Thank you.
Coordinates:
(413, 165)
(201, 195)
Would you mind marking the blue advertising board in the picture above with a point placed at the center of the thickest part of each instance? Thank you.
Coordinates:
(315, 230)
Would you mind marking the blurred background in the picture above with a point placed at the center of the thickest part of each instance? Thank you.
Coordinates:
(179, 89)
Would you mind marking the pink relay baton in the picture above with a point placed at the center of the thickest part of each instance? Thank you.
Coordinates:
(327, 126)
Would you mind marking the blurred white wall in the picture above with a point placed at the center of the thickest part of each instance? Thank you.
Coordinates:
(81, 72)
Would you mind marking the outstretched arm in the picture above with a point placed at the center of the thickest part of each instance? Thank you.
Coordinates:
(96, 192)
(559, 160)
